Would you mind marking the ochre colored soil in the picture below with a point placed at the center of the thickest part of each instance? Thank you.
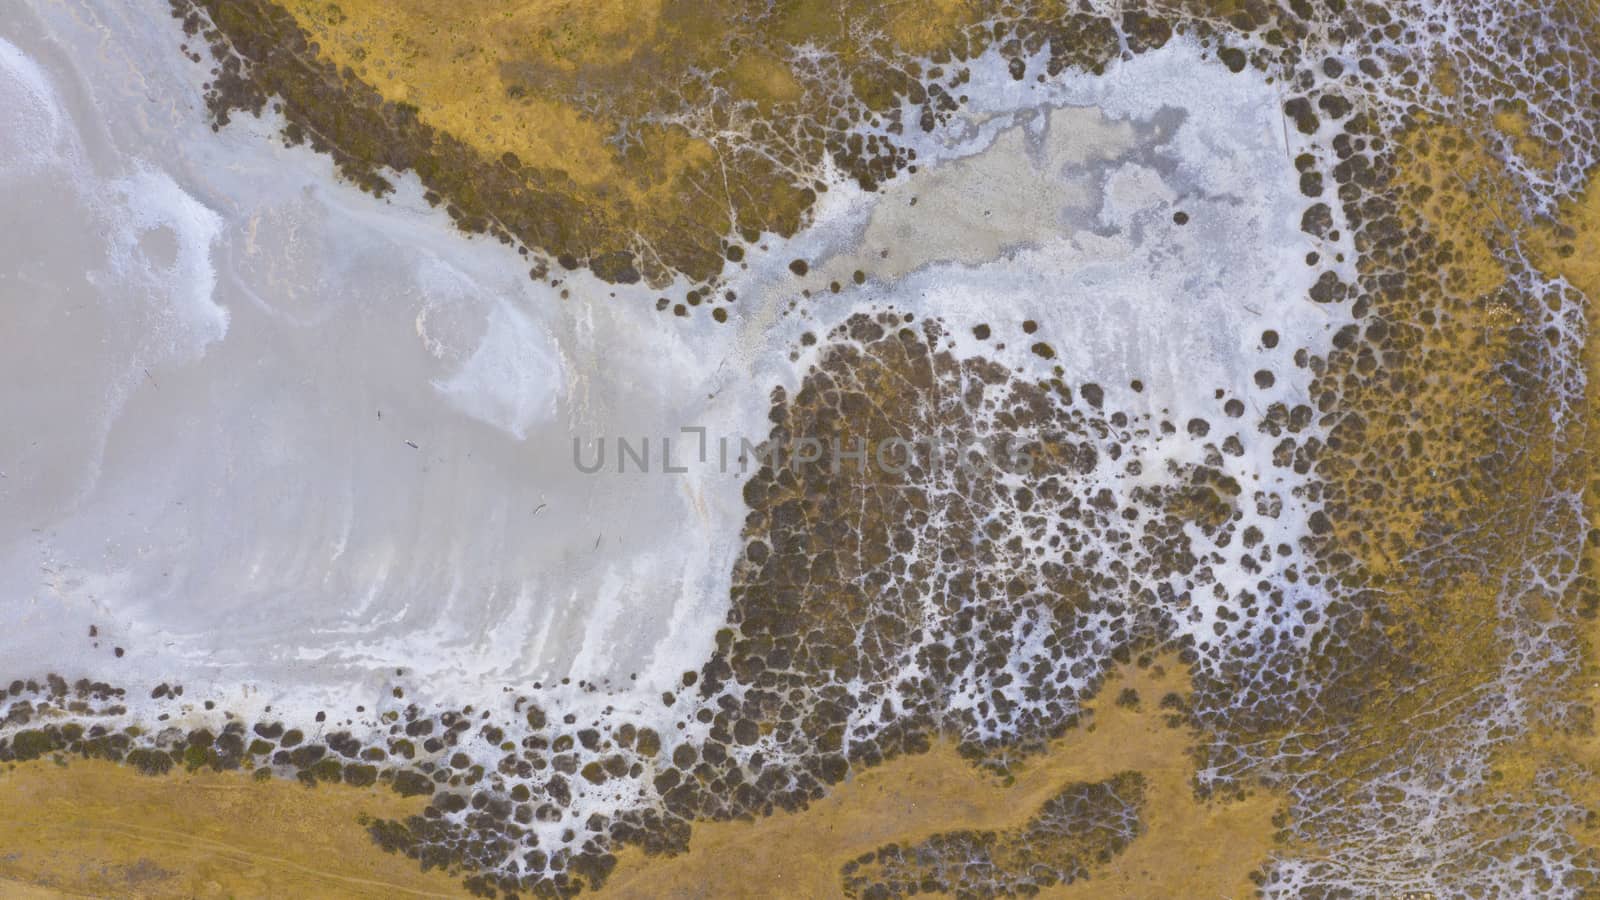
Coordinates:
(91, 828)
(1190, 848)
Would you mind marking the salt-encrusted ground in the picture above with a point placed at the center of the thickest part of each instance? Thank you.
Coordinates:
(223, 354)
(293, 477)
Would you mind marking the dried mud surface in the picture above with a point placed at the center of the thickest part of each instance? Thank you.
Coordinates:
(954, 679)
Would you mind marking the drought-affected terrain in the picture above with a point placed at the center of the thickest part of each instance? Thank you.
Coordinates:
(798, 449)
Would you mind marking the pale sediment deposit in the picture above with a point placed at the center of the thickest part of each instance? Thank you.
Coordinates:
(626, 434)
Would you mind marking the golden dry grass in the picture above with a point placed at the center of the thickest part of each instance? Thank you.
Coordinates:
(446, 61)
(99, 830)
(92, 828)
(1570, 249)
(457, 63)
(1190, 848)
